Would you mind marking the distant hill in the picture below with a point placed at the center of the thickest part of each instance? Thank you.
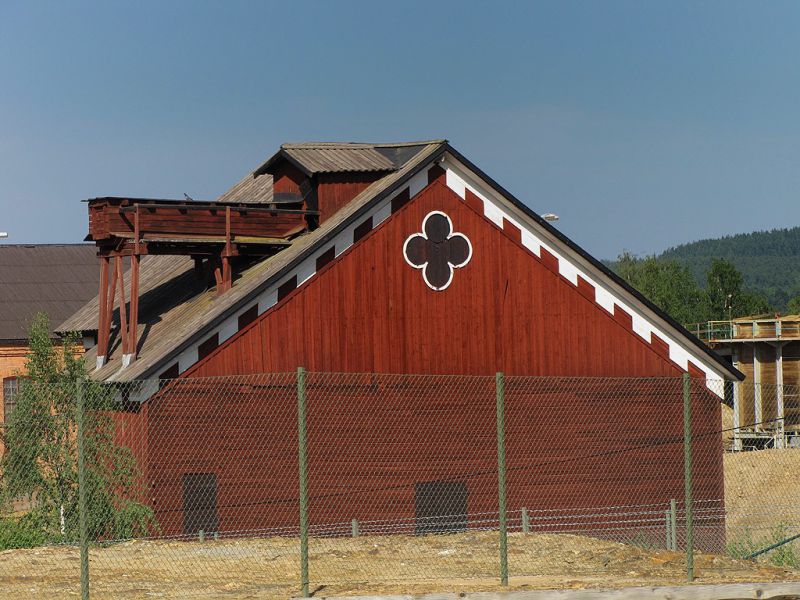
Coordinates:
(768, 260)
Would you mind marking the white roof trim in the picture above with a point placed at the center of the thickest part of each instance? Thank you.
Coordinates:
(570, 265)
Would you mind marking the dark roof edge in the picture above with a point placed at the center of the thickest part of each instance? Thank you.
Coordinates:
(730, 369)
(46, 244)
(291, 145)
(289, 266)
(281, 154)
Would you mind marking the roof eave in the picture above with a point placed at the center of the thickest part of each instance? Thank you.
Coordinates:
(276, 158)
(358, 214)
(693, 340)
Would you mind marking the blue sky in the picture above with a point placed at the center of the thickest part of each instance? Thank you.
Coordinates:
(642, 124)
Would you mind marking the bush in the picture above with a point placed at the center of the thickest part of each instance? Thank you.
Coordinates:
(21, 532)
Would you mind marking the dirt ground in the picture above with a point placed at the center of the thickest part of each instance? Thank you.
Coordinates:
(268, 568)
(760, 490)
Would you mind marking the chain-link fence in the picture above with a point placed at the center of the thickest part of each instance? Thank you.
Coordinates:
(284, 484)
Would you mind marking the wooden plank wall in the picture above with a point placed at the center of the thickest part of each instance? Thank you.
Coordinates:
(369, 311)
(334, 190)
(211, 222)
(791, 379)
(508, 310)
(571, 445)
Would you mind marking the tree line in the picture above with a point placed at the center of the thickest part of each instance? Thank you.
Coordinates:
(671, 286)
(769, 261)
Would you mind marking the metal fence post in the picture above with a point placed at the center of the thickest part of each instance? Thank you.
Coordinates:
(501, 475)
(302, 460)
(673, 524)
(82, 516)
(667, 525)
(526, 521)
(687, 474)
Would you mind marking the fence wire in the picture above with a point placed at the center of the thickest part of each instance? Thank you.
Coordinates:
(195, 487)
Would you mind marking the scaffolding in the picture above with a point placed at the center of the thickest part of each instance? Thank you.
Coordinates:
(767, 350)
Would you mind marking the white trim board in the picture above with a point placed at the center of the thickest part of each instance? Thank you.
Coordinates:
(570, 266)
(304, 271)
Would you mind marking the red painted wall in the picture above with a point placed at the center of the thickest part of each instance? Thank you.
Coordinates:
(334, 190)
(506, 310)
(369, 311)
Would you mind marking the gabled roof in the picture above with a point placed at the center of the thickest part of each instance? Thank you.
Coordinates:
(350, 157)
(528, 216)
(57, 279)
(174, 323)
(173, 312)
(250, 189)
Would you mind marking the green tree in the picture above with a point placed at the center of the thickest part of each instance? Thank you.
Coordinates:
(725, 294)
(666, 283)
(40, 462)
(793, 306)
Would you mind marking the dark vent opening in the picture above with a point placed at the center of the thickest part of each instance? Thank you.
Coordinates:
(200, 503)
(208, 346)
(247, 317)
(440, 507)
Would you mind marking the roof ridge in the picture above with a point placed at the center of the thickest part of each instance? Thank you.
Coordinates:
(358, 145)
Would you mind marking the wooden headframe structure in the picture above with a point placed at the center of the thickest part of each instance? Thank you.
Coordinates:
(214, 234)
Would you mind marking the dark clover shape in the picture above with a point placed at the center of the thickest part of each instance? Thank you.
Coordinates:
(437, 250)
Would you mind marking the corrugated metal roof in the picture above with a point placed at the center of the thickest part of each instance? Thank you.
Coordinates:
(324, 157)
(57, 279)
(250, 189)
(174, 312)
(339, 159)
(349, 157)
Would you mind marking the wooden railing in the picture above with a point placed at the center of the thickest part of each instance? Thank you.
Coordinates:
(772, 329)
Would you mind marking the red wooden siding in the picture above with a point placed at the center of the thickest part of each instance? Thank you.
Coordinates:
(570, 445)
(369, 311)
(287, 179)
(334, 190)
(160, 221)
(249, 442)
(507, 310)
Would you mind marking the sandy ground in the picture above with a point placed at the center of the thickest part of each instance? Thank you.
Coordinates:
(760, 492)
(268, 568)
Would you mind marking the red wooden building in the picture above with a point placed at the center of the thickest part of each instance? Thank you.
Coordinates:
(383, 259)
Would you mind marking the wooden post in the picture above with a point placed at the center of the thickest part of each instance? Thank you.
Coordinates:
(501, 476)
(111, 297)
(102, 316)
(781, 425)
(123, 319)
(134, 316)
(737, 405)
(356, 531)
(227, 275)
(757, 398)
